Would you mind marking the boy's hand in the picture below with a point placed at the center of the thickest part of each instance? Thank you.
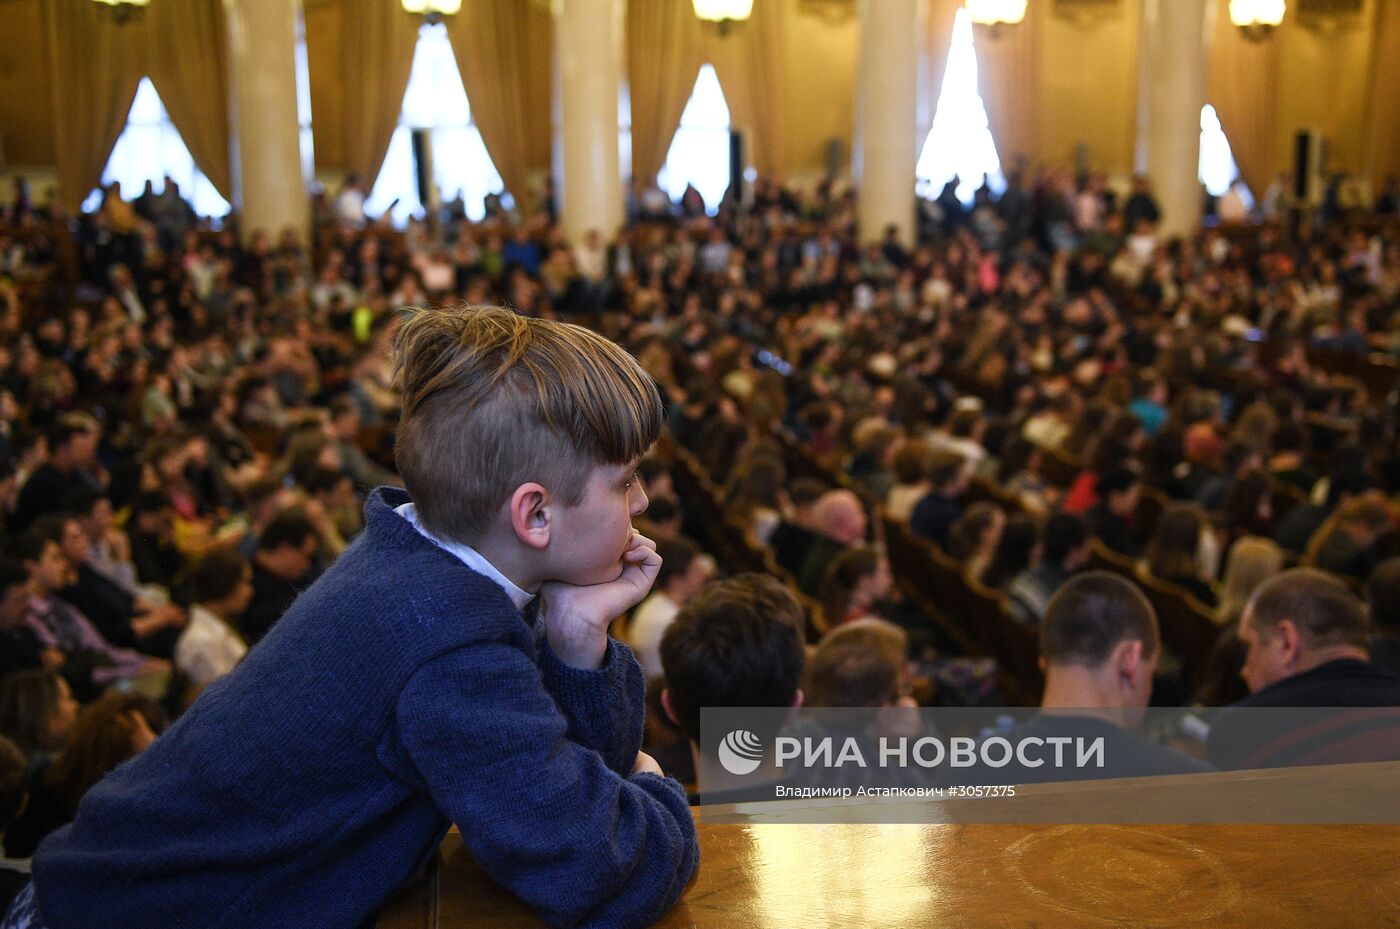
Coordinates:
(576, 618)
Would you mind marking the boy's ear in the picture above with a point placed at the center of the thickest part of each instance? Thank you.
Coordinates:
(530, 515)
(666, 706)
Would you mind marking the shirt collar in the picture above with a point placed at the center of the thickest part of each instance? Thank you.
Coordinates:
(469, 557)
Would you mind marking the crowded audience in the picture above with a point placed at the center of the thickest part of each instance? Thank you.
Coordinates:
(188, 428)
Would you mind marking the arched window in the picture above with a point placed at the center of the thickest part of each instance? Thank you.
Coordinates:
(959, 144)
(150, 149)
(1217, 169)
(699, 153)
(435, 101)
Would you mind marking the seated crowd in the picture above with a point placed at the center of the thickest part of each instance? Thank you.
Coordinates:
(188, 428)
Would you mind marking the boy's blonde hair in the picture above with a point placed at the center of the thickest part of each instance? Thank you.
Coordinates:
(492, 399)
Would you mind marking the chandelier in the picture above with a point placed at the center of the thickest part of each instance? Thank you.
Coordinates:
(123, 10)
(996, 14)
(1256, 18)
(723, 12)
(433, 11)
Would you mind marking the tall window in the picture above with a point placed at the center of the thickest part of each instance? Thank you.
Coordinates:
(699, 153)
(435, 101)
(149, 149)
(959, 143)
(303, 72)
(1217, 169)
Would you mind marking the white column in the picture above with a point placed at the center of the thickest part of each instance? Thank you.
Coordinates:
(588, 62)
(887, 147)
(1172, 79)
(268, 189)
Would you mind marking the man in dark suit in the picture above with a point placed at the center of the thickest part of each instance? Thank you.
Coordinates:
(1307, 642)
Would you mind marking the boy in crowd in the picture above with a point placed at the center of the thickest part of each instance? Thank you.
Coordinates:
(736, 643)
(452, 666)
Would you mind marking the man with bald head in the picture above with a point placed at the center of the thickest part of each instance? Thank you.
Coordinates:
(839, 520)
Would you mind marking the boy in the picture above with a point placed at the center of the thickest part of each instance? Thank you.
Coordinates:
(735, 643)
(406, 688)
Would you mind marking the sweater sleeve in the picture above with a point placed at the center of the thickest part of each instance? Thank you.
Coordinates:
(605, 708)
(540, 813)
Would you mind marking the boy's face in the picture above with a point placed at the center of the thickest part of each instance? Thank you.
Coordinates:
(588, 539)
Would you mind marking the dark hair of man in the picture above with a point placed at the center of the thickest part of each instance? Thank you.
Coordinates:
(1063, 533)
(805, 491)
(323, 480)
(676, 557)
(50, 527)
(944, 468)
(12, 574)
(217, 574)
(62, 431)
(962, 423)
(14, 780)
(1350, 482)
(738, 642)
(28, 546)
(1116, 481)
(1383, 595)
(1324, 611)
(289, 527)
(1090, 615)
(81, 501)
(150, 501)
(1288, 437)
(911, 463)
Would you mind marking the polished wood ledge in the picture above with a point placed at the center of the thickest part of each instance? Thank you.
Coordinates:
(758, 875)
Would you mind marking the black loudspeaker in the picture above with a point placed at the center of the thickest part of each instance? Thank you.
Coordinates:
(423, 166)
(736, 165)
(1307, 167)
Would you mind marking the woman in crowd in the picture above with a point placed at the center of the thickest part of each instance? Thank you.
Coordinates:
(1251, 562)
(106, 733)
(1176, 548)
(37, 712)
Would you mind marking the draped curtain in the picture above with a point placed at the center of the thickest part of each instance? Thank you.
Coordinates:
(1008, 67)
(377, 39)
(502, 48)
(95, 65)
(749, 62)
(187, 63)
(1242, 85)
(1383, 148)
(663, 59)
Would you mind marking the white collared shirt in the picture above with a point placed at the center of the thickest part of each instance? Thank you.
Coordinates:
(208, 648)
(468, 556)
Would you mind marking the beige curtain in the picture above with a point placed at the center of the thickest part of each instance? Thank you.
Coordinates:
(502, 48)
(1383, 141)
(1242, 85)
(663, 58)
(95, 66)
(750, 64)
(187, 64)
(1008, 67)
(377, 42)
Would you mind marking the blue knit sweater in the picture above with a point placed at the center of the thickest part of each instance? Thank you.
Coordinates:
(400, 691)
